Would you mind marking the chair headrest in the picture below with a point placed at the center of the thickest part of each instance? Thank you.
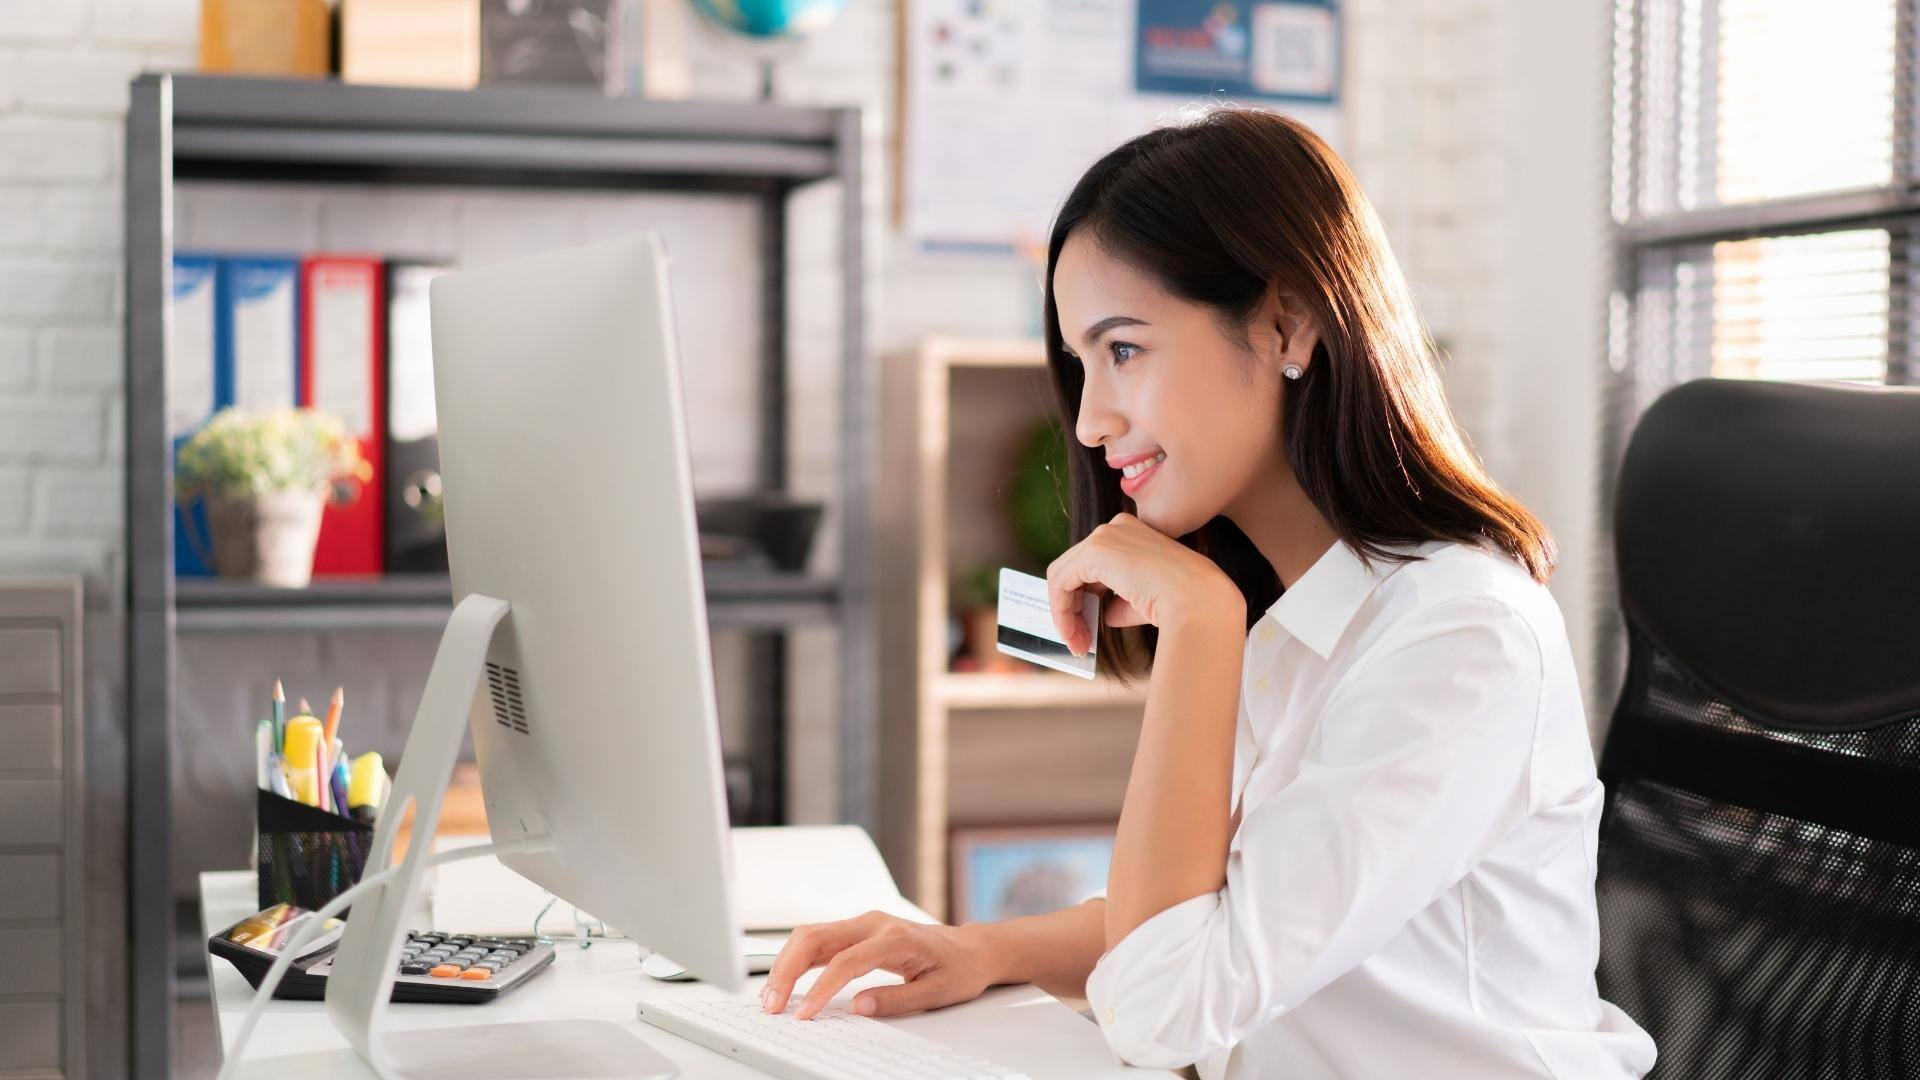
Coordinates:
(1768, 538)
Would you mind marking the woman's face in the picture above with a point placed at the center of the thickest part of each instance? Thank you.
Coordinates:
(1169, 397)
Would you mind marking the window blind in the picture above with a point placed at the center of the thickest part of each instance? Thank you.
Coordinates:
(1759, 191)
(1740, 101)
(1810, 306)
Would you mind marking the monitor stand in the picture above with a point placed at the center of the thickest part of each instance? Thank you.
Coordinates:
(369, 954)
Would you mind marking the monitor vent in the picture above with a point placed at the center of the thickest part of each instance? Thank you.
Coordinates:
(508, 709)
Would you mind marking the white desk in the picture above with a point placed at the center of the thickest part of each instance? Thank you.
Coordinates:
(1020, 1027)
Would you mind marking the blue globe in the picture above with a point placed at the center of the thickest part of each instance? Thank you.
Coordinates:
(771, 18)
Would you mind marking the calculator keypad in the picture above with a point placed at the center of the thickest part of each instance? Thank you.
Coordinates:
(463, 957)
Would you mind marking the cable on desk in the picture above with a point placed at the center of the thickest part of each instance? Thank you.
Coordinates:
(583, 928)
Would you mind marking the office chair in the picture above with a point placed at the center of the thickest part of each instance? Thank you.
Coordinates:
(1759, 874)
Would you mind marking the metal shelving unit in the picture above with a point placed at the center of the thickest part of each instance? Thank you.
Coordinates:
(185, 128)
(751, 601)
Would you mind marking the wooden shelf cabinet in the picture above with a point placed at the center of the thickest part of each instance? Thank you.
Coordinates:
(971, 748)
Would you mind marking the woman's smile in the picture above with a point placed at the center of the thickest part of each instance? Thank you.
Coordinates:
(1135, 474)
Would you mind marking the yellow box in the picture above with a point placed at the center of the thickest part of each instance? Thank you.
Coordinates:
(266, 37)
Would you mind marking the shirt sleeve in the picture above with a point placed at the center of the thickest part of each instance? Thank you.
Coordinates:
(1419, 765)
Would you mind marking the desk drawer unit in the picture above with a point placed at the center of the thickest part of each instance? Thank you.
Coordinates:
(42, 999)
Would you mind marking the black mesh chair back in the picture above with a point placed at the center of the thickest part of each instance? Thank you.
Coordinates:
(1759, 876)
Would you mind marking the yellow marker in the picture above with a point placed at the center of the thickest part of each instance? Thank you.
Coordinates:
(303, 741)
(368, 776)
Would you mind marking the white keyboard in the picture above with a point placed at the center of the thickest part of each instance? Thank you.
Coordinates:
(834, 1045)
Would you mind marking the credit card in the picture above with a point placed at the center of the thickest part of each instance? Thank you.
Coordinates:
(1026, 625)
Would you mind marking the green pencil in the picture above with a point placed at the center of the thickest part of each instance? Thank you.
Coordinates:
(279, 717)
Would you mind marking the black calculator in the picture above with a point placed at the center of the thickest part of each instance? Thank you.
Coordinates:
(448, 968)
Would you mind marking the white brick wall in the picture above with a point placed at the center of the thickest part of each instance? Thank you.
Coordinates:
(45, 148)
(57, 83)
(81, 502)
(45, 429)
(38, 21)
(64, 69)
(19, 216)
(58, 289)
(16, 484)
(1477, 128)
(16, 360)
(81, 358)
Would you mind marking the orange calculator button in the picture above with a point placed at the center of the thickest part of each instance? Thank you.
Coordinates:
(445, 971)
(476, 973)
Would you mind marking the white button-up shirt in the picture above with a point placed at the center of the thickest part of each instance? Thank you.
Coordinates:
(1410, 888)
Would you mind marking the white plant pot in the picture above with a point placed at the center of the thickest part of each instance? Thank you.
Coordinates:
(269, 538)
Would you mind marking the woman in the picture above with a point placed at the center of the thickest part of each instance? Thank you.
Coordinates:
(1359, 835)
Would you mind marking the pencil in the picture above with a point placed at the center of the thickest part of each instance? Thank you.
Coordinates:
(333, 714)
(279, 715)
(305, 709)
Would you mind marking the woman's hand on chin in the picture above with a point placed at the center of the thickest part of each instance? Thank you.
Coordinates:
(1149, 578)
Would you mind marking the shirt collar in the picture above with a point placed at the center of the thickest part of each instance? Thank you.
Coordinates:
(1317, 609)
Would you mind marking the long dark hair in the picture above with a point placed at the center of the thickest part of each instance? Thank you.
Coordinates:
(1218, 210)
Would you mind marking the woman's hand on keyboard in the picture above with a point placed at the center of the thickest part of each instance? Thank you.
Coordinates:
(943, 965)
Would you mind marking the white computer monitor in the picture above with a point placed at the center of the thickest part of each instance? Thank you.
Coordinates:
(578, 652)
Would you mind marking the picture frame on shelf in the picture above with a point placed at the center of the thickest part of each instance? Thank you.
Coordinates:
(1002, 872)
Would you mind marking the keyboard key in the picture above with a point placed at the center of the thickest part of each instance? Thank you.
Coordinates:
(414, 969)
(445, 971)
(476, 974)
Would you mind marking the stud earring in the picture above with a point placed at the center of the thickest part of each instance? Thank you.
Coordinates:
(1292, 371)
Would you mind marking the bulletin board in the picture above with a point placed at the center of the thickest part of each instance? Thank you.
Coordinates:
(1006, 102)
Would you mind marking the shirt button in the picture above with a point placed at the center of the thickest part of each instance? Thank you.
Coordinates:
(1266, 631)
(1262, 684)
(1108, 1013)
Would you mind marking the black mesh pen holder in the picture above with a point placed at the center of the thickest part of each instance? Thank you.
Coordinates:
(308, 856)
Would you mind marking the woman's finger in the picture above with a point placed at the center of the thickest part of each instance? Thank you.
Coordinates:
(807, 948)
(929, 991)
(1068, 580)
(1054, 575)
(849, 964)
(1119, 612)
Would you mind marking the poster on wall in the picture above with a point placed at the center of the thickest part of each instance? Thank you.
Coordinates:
(1004, 873)
(1009, 101)
(1276, 50)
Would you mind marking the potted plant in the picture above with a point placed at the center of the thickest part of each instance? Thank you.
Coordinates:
(266, 478)
(1035, 500)
(976, 593)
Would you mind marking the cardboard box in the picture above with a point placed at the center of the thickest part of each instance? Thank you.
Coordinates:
(433, 43)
